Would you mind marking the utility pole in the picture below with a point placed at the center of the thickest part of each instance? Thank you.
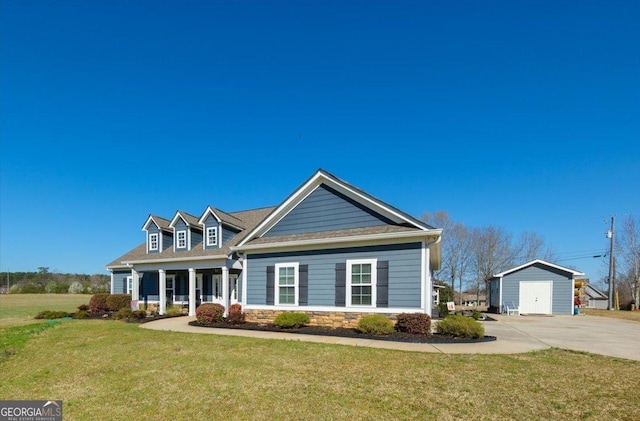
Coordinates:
(612, 270)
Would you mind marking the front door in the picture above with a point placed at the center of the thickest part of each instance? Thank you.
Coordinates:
(535, 297)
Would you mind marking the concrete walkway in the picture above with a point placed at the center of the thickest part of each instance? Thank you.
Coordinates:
(516, 334)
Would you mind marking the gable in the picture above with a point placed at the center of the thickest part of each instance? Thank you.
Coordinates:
(538, 272)
(326, 209)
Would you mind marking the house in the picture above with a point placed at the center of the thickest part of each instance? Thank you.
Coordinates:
(471, 299)
(537, 287)
(329, 249)
(595, 298)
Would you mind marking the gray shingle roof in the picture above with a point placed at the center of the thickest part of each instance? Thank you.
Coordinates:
(249, 218)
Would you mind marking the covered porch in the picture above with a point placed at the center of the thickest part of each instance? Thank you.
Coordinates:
(186, 287)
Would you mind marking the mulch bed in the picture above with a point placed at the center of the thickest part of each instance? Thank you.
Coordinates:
(350, 333)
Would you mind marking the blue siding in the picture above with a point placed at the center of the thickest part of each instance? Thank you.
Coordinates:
(227, 234)
(149, 286)
(167, 240)
(404, 272)
(208, 223)
(562, 291)
(120, 281)
(196, 238)
(326, 210)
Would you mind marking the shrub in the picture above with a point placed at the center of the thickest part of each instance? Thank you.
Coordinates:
(414, 323)
(98, 303)
(81, 314)
(461, 327)
(376, 324)
(123, 314)
(174, 311)
(116, 302)
(83, 307)
(443, 309)
(50, 315)
(209, 314)
(290, 319)
(139, 314)
(235, 316)
(477, 315)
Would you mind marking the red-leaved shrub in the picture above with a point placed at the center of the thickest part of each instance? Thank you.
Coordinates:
(208, 314)
(98, 303)
(235, 316)
(415, 323)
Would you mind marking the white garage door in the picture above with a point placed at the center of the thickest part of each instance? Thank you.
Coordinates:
(535, 297)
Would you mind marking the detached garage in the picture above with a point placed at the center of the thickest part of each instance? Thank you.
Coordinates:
(537, 287)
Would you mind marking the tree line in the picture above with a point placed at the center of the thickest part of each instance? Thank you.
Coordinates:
(45, 282)
(472, 255)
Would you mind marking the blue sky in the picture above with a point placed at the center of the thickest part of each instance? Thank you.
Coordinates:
(519, 114)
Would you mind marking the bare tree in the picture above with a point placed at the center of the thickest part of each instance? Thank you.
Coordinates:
(493, 252)
(456, 250)
(628, 246)
(530, 247)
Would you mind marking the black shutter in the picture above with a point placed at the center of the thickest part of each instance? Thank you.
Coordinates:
(382, 288)
(341, 284)
(303, 285)
(271, 270)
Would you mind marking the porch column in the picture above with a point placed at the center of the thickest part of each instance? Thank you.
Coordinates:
(162, 291)
(192, 292)
(135, 286)
(225, 289)
(113, 286)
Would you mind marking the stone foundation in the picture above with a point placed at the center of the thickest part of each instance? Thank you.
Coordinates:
(318, 318)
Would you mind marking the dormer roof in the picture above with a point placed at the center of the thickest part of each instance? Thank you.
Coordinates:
(160, 222)
(190, 220)
(222, 217)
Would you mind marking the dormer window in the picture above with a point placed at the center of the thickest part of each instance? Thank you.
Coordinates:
(212, 236)
(182, 239)
(153, 242)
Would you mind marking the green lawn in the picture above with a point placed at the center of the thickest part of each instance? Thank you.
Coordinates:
(113, 370)
(616, 314)
(16, 309)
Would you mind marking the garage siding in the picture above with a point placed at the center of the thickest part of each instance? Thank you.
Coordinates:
(562, 286)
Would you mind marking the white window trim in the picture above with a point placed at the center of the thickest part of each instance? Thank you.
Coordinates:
(296, 282)
(178, 239)
(129, 284)
(374, 281)
(157, 237)
(215, 231)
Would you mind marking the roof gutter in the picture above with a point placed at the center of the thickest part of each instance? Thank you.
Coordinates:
(341, 240)
(175, 259)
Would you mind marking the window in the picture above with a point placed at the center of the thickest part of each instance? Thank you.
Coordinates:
(153, 241)
(212, 236)
(129, 284)
(182, 239)
(361, 282)
(287, 284)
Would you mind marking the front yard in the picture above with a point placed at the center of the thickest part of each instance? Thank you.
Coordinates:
(121, 371)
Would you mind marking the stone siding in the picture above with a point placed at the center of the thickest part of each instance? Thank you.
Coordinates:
(318, 318)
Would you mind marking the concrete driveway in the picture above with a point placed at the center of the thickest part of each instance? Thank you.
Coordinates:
(599, 335)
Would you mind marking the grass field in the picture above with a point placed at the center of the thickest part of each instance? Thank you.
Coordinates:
(626, 315)
(17, 309)
(110, 370)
